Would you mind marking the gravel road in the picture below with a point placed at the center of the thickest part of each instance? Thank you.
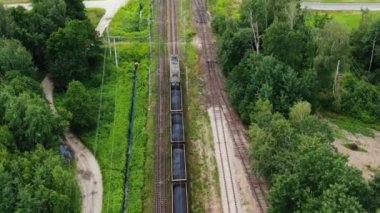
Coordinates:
(88, 170)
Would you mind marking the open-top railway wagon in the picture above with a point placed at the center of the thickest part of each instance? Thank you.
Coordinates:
(178, 162)
(179, 192)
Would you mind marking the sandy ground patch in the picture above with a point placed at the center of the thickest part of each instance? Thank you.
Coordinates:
(367, 161)
(225, 161)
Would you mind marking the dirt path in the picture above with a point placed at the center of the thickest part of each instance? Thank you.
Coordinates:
(88, 170)
(368, 159)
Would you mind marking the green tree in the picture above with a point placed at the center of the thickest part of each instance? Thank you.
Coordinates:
(75, 9)
(336, 199)
(31, 121)
(33, 29)
(7, 24)
(14, 56)
(317, 19)
(316, 180)
(71, 51)
(38, 181)
(258, 77)
(82, 106)
(291, 46)
(332, 45)
(375, 185)
(54, 10)
(358, 98)
(6, 138)
(264, 12)
(307, 124)
(300, 111)
(366, 51)
(273, 141)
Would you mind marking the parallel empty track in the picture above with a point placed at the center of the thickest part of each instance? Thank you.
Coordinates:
(160, 201)
(221, 108)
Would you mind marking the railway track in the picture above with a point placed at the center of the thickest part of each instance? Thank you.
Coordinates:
(218, 98)
(167, 33)
(160, 201)
(173, 27)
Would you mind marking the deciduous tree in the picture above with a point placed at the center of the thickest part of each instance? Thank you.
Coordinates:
(71, 51)
(82, 106)
(31, 121)
(14, 56)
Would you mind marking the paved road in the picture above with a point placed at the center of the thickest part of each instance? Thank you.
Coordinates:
(111, 7)
(341, 6)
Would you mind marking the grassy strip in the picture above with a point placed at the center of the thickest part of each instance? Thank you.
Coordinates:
(151, 127)
(352, 125)
(111, 147)
(134, 32)
(95, 14)
(350, 19)
(127, 22)
(228, 8)
(140, 136)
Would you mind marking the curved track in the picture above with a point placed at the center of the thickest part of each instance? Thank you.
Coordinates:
(233, 126)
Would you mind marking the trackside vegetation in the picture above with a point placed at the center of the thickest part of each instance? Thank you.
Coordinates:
(109, 141)
(93, 99)
(281, 64)
(34, 177)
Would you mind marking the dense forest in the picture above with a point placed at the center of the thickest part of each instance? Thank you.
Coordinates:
(282, 63)
(54, 38)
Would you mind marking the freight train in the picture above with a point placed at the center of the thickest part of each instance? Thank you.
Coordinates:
(177, 139)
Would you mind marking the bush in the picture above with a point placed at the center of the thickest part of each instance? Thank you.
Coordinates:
(82, 106)
(359, 99)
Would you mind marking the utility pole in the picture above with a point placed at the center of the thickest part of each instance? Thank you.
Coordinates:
(373, 51)
(336, 77)
(114, 46)
(109, 41)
